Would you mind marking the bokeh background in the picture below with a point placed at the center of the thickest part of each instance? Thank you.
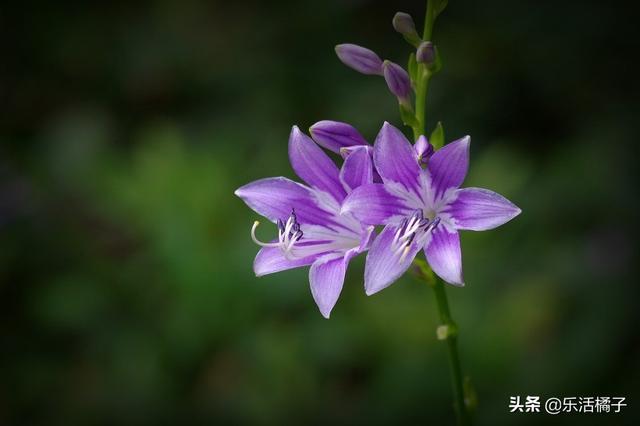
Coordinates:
(126, 290)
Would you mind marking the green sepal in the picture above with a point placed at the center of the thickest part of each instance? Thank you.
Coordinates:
(423, 271)
(437, 136)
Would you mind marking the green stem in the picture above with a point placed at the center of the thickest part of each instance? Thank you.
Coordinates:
(422, 83)
(429, 19)
(421, 100)
(447, 330)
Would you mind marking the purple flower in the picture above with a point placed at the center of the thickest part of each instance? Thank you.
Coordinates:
(359, 58)
(421, 209)
(311, 228)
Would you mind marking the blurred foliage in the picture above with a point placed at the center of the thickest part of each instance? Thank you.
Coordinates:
(126, 289)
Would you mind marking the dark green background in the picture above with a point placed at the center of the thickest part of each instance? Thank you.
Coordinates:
(126, 289)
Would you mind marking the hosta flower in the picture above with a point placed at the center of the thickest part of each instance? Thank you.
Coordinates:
(421, 208)
(311, 229)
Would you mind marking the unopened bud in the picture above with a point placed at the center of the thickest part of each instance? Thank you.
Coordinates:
(424, 150)
(403, 23)
(426, 53)
(335, 135)
(397, 80)
(359, 58)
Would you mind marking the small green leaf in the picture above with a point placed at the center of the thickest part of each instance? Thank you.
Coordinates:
(437, 136)
(407, 115)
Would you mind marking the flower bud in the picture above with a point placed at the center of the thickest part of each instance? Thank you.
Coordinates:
(335, 135)
(426, 53)
(403, 23)
(359, 58)
(397, 80)
(424, 150)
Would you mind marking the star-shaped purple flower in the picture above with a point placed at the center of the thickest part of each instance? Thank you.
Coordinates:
(421, 208)
(312, 230)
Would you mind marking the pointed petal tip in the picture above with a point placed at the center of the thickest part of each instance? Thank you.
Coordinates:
(458, 284)
(319, 124)
(258, 272)
(386, 126)
(370, 292)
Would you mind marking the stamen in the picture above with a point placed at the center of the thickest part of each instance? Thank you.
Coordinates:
(404, 253)
(412, 229)
(289, 234)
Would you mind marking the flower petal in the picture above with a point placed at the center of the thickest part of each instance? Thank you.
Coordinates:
(383, 265)
(275, 198)
(478, 209)
(448, 166)
(326, 278)
(372, 204)
(271, 259)
(334, 135)
(395, 158)
(444, 255)
(357, 169)
(313, 165)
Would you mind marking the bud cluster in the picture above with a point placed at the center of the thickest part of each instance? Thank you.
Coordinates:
(398, 80)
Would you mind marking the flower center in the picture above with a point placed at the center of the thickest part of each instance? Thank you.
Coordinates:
(289, 233)
(414, 228)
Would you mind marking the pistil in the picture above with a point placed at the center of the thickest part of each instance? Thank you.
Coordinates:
(288, 234)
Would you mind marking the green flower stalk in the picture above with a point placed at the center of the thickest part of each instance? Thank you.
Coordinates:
(412, 190)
